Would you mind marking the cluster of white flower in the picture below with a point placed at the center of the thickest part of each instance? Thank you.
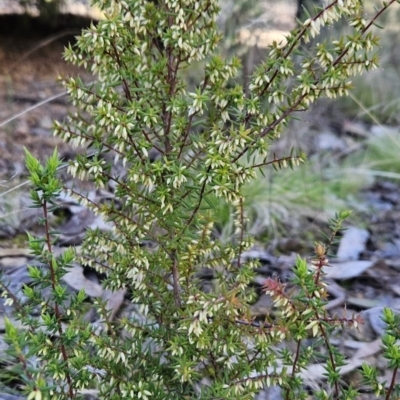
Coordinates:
(137, 19)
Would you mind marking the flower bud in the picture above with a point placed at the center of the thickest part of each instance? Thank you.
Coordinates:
(320, 249)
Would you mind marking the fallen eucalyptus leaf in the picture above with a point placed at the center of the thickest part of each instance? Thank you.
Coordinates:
(352, 244)
(77, 280)
(347, 270)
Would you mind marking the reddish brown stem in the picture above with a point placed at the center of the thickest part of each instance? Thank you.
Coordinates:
(56, 309)
(175, 278)
(392, 383)
(241, 208)
(295, 361)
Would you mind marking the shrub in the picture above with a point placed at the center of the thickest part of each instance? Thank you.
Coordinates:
(209, 142)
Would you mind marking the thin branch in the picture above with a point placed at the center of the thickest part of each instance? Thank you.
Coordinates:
(392, 383)
(295, 361)
(56, 309)
(241, 220)
(175, 278)
(272, 126)
(43, 43)
(376, 16)
(300, 99)
(41, 103)
(124, 82)
(189, 124)
(196, 209)
(275, 160)
(13, 297)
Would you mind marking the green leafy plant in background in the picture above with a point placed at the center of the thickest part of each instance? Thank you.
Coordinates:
(279, 203)
(210, 143)
(380, 156)
(375, 97)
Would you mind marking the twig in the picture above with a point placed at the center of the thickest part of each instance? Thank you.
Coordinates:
(41, 103)
(56, 308)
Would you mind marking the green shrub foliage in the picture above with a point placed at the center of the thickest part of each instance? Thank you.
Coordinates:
(180, 147)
